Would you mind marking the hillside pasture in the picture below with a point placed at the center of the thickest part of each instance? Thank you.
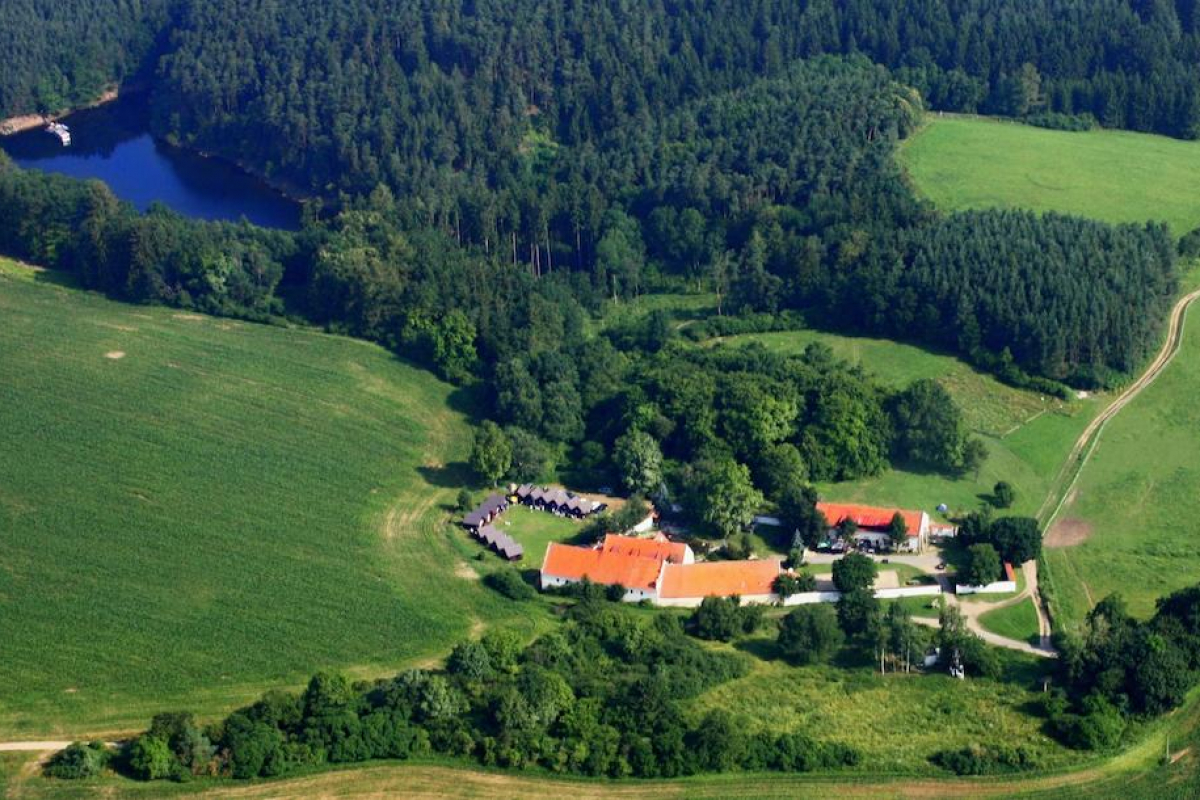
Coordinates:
(961, 162)
(224, 508)
(1130, 522)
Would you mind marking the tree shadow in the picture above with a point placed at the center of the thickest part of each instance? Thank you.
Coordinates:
(989, 499)
(455, 475)
(57, 277)
(759, 647)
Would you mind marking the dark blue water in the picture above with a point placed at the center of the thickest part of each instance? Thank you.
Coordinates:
(113, 144)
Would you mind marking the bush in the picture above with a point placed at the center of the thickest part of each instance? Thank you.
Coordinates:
(509, 583)
(1055, 120)
(78, 761)
(978, 760)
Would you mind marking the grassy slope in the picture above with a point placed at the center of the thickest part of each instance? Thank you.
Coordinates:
(1116, 176)
(226, 507)
(1140, 495)
(1027, 435)
(1017, 621)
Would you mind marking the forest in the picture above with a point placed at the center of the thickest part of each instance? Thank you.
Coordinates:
(486, 195)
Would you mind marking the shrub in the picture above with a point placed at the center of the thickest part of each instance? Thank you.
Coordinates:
(979, 760)
(78, 761)
(509, 583)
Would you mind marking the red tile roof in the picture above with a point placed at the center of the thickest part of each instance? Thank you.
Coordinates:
(869, 516)
(1009, 573)
(600, 566)
(719, 578)
(659, 549)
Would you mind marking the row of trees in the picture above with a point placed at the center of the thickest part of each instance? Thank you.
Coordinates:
(602, 696)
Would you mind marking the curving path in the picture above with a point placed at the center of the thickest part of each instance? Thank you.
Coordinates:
(1086, 443)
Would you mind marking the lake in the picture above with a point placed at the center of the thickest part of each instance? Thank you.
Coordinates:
(113, 144)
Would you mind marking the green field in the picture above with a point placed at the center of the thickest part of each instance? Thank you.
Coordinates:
(1116, 176)
(897, 720)
(193, 510)
(1018, 621)
(1027, 436)
(1133, 513)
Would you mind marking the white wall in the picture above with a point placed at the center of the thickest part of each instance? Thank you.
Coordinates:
(694, 602)
(930, 590)
(805, 598)
(999, 587)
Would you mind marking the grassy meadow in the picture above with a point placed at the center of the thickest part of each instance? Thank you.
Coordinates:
(1134, 511)
(193, 510)
(533, 530)
(1115, 176)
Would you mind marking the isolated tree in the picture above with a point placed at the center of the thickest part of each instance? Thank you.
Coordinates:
(810, 634)
(982, 566)
(492, 455)
(898, 530)
(857, 612)
(853, 572)
(533, 458)
(1017, 539)
(717, 619)
(638, 459)
(1003, 494)
(846, 529)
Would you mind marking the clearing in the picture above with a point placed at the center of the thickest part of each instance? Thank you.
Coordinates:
(975, 162)
(204, 519)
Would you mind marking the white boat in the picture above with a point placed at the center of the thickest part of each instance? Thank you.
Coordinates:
(61, 131)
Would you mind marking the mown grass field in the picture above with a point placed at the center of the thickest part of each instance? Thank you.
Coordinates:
(536, 529)
(1116, 176)
(1018, 621)
(193, 510)
(1135, 512)
(1027, 435)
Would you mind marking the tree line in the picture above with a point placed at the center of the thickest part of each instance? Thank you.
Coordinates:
(606, 694)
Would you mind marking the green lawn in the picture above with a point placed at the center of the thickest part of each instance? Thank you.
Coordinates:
(536, 529)
(1018, 621)
(193, 510)
(1137, 500)
(1116, 176)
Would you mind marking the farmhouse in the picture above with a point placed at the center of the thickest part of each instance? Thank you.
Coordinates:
(658, 570)
(873, 524)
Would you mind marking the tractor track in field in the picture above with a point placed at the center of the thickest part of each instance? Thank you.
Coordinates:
(1062, 491)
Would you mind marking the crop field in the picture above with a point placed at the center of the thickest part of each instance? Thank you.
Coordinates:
(1027, 435)
(1018, 621)
(1115, 176)
(193, 510)
(1130, 525)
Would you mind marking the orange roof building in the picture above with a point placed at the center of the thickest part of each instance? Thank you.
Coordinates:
(751, 580)
(658, 570)
(565, 564)
(874, 520)
(660, 548)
